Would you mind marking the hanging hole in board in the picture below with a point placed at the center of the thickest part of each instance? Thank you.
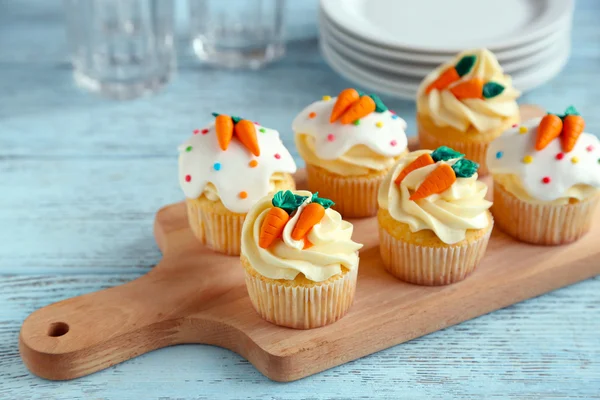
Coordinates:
(57, 329)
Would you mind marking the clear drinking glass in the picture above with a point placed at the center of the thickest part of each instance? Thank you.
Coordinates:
(121, 48)
(237, 33)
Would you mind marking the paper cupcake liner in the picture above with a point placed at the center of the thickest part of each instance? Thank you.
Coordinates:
(354, 196)
(543, 224)
(429, 265)
(220, 232)
(298, 306)
(475, 151)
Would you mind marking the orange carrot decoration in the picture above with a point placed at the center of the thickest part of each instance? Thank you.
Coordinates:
(549, 129)
(471, 89)
(363, 107)
(224, 130)
(311, 215)
(345, 99)
(307, 244)
(438, 181)
(452, 74)
(422, 161)
(272, 226)
(246, 133)
(573, 125)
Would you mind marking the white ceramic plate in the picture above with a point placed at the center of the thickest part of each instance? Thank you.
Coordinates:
(327, 27)
(448, 26)
(406, 87)
(420, 70)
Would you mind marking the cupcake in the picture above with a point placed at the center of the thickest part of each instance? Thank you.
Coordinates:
(223, 170)
(465, 104)
(434, 223)
(300, 261)
(546, 179)
(349, 143)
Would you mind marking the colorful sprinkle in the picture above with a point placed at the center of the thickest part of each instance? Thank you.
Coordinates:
(262, 130)
(204, 131)
(312, 115)
(499, 154)
(560, 156)
(527, 159)
(515, 125)
(357, 122)
(188, 178)
(394, 116)
(590, 148)
(575, 160)
(546, 180)
(379, 124)
(331, 137)
(277, 156)
(188, 149)
(326, 98)
(393, 112)
(253, 163)
(393, 143)
(256, 123)
(196, 131)
(523, 129)
(217, 166)
(243, 195)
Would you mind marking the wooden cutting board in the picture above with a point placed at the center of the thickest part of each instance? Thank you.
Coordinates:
(197, 296)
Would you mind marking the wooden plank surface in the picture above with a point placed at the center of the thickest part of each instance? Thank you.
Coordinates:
(78, 221)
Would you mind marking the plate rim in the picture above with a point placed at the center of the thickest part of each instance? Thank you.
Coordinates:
(558, 10)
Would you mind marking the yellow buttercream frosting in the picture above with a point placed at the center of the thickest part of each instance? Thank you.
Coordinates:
(445, 109)
(332, 250)
(448, 214)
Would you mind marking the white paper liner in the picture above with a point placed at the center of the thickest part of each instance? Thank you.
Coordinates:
(430, 266)
(543, 224)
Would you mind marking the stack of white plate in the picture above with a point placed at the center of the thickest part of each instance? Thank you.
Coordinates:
(389, 46)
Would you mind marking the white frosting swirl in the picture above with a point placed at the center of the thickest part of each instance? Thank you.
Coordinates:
(445, 109)
(549, 176)
(332, 248)
(448, 214)
(348, 149)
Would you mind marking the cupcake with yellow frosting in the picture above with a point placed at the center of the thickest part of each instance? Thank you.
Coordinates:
(465, 104)
(546, 179)
(224, 169)
(349, 143)
(300, 261)
(434, 223)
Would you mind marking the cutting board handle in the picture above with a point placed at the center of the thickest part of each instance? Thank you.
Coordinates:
(93, 331)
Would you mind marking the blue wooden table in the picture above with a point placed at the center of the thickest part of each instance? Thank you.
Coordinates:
(81, 178)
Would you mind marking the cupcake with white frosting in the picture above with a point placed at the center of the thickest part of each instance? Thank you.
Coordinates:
(434, 223)
(546, 179)
(300, 261)
(224, 169)
(349, 143)
(465, 104)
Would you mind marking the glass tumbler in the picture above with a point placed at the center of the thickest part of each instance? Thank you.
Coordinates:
(237, 33)
(121, 48)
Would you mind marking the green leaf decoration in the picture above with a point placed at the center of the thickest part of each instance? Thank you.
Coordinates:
(379, 106)
(326, 203)
(492, 89)
(465, 65)
(465, 168)
(233, 117)
(287, 200)
(571, 111)
(444, 153)
(360, 92)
